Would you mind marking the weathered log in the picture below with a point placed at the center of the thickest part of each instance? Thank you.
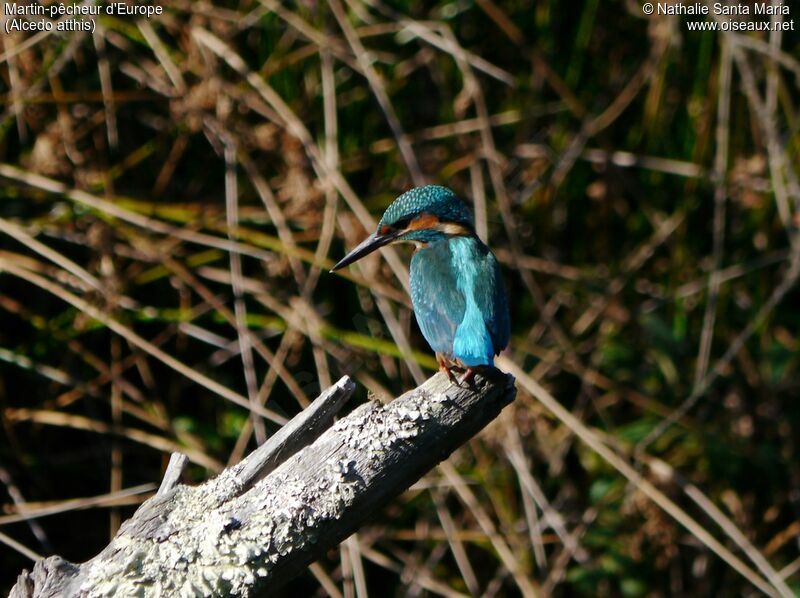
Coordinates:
(262, 521)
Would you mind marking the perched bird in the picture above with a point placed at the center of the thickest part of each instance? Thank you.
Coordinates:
(456, 289)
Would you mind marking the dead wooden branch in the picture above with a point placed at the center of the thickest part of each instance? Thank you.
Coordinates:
(262, 521)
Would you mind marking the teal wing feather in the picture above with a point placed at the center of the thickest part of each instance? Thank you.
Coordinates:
(460, 300)
(439, 304)
(485, 329)
(493, 303)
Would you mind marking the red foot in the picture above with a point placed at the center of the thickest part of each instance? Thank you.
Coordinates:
(445, 367)
(468, 376)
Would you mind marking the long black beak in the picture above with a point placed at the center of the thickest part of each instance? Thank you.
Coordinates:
(367, 246)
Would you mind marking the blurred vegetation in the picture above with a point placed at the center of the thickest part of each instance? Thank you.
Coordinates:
(189, 180)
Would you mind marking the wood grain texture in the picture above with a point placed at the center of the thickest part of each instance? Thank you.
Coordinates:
(250, 530)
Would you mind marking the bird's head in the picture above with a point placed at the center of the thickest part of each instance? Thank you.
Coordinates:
(422, 215)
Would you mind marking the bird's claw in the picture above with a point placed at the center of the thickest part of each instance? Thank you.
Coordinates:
(445, 367)
(468, 377)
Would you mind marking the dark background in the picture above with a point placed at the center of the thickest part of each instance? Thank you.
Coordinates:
(637, 180)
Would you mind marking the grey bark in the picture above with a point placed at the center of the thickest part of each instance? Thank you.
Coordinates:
(261, 522)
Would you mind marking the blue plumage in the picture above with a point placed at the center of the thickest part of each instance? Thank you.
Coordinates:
(456, 287)
(459, 300)
(430, 199)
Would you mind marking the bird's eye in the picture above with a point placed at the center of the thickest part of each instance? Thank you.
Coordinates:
(402, 223)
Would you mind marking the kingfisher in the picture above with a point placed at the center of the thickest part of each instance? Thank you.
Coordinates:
(457, 290)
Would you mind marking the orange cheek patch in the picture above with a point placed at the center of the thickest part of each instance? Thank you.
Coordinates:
(424, 221)
(385, 229)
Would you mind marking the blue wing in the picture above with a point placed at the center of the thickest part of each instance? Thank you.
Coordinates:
(439, 305)
(491, 298)
(485, 329)
(460, 300)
